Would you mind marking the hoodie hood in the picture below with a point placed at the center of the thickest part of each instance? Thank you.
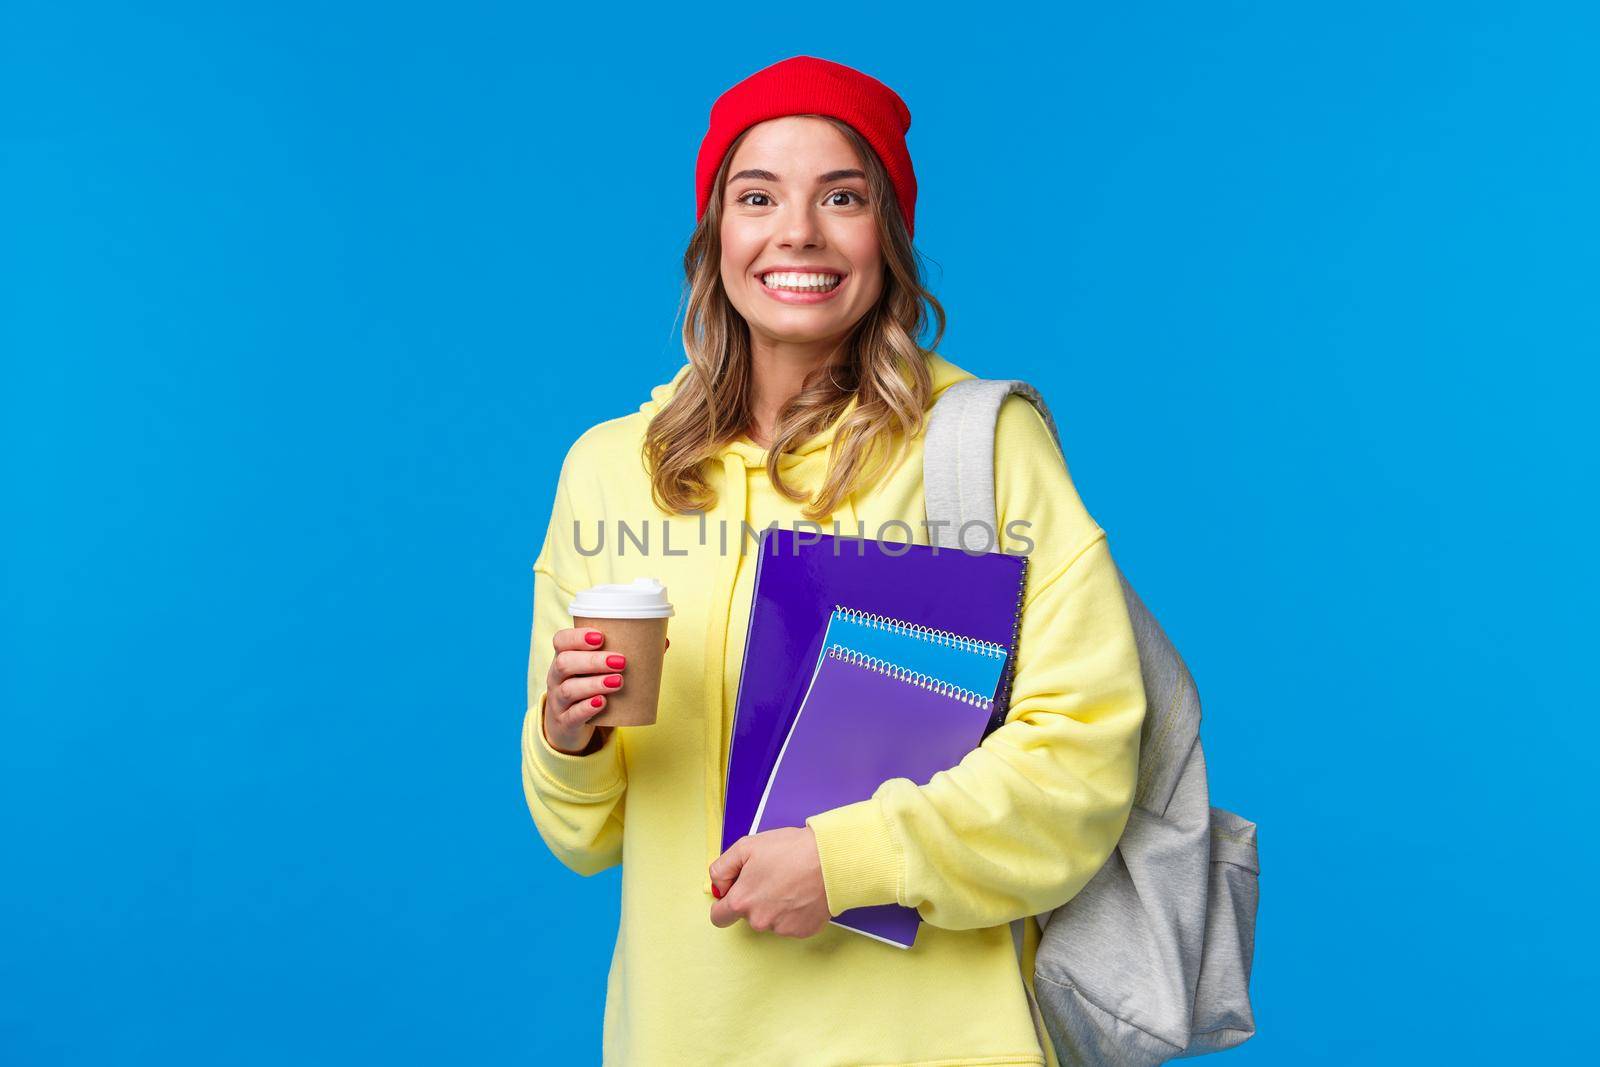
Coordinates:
(942, 372)
(743, 463)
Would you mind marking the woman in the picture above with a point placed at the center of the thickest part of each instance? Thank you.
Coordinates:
(803, 400)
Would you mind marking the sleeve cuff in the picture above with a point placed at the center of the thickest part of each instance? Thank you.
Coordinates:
(578, 777)
(862, 863)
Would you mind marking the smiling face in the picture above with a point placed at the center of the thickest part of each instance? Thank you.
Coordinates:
(801, 260)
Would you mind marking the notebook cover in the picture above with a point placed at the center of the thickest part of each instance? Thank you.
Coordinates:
(800, 577)
(862, 722)
(952, 658)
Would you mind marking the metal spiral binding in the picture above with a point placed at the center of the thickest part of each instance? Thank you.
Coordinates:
(927, 633)
(916, 678)
(1002, 698)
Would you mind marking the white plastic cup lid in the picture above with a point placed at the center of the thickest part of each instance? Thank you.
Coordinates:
(643, 598)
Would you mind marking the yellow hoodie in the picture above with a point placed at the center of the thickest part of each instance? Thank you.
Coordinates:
(1017, 828)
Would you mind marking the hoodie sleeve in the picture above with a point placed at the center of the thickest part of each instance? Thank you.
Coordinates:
(1023, 822)
(576, 801)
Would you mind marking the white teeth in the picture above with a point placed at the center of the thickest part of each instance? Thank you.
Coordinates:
(801, 282)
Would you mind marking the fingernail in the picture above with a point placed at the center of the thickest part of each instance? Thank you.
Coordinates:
(616, 662)
(613, 680)
(715, 891)
(593, 637)
(596, 702)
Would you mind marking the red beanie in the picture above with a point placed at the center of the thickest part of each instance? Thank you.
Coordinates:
(805, 85)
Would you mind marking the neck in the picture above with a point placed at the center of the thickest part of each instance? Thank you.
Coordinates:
(778, 371)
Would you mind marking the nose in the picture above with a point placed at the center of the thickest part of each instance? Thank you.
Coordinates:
(798, 227)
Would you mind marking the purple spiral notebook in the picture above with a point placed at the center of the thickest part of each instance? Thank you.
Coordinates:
(863, 721)
(800, 577)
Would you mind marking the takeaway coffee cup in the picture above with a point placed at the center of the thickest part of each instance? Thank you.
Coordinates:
(634, 619)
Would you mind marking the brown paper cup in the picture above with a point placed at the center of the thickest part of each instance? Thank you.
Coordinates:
(642, 641)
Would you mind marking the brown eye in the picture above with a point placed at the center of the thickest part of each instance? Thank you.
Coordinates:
(846, 192)
(745, 199)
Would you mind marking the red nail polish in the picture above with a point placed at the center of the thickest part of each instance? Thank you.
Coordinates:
(616, 663)
(715, 891)
(596, 702)
(613, 680)
(593, 637)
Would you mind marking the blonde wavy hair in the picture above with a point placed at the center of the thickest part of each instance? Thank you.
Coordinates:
(882, 366)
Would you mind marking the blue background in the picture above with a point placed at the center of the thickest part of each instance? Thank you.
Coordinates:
(301, 307)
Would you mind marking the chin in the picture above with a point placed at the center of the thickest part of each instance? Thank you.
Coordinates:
(799, 332)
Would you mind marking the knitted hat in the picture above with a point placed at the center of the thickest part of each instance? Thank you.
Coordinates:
(805, 85)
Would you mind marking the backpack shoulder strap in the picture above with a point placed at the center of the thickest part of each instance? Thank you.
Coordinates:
(958, 457)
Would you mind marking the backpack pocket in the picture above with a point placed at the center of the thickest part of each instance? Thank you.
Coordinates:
(1222, 1015)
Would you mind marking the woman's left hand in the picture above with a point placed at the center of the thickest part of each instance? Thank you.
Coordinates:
(774, 881)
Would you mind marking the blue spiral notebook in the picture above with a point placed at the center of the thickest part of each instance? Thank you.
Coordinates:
(887, 699)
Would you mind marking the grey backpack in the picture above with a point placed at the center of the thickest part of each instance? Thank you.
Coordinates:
(1151, 959)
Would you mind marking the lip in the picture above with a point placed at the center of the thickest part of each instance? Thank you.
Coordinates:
(788, 296)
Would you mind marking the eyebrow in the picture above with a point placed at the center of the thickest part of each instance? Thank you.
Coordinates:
(768, 176)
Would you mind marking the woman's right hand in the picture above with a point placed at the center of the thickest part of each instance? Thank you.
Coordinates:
(580, 676)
